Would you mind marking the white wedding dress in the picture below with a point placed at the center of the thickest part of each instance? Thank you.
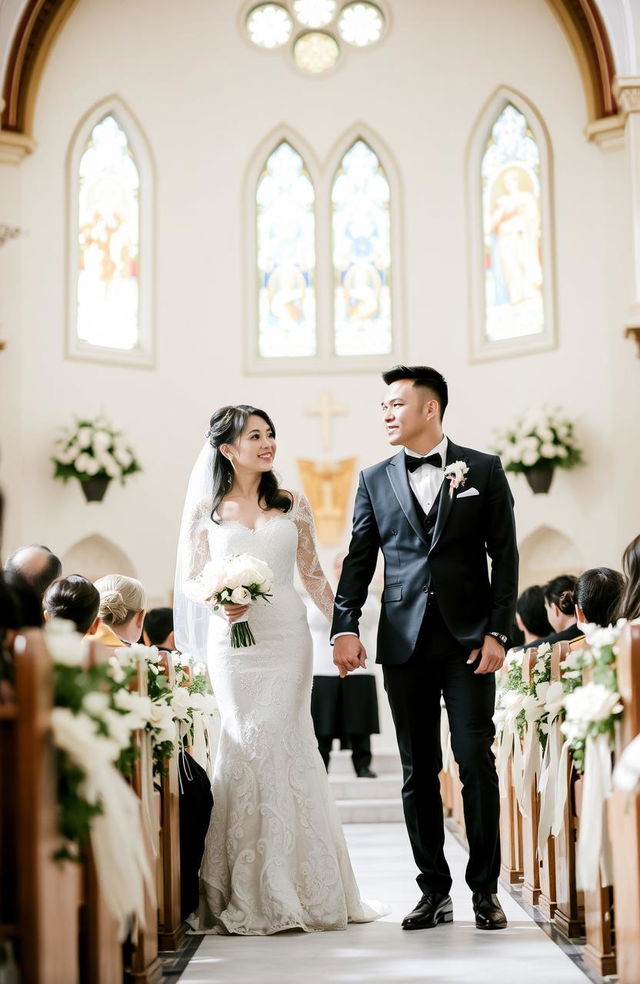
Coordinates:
(275, 857)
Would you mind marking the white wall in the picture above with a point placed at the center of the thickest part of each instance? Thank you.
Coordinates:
(206, 99)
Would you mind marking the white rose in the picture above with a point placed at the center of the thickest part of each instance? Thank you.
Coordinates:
(77, 735)
(119, 727)
(123, 457)
(138, 708)
(101, 441)
(161, 718)
(240, 596)
(592, 703)
(64, 644)
(83, 463)
(84, 437)
(548, 450)
(598, 638)
(180, 703)
(96, 703)
(146, 654)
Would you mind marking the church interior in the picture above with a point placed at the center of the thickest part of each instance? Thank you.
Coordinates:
(223, 202)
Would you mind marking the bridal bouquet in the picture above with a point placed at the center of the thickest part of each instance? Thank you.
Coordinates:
(238, 580)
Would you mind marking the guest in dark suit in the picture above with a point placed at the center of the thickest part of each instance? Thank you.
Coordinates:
(560, 606)
(436, 510)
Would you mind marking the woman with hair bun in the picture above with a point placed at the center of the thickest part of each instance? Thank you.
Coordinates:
(560, 606)
(122, 609)
(75, 599)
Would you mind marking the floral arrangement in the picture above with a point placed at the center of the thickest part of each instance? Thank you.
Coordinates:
(239, 579)
(540, 437)
(591, 708)
(92, 448)
(456, 474)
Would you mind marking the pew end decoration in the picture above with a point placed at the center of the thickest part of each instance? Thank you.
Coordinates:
(539, 442)
(94, 453)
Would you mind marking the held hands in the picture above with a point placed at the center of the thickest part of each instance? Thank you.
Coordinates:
(349, 654)
(233, 612)
(492, 656)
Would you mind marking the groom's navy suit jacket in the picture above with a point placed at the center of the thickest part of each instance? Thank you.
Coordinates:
(447, 555)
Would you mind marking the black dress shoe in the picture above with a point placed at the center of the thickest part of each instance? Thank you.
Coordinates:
(489, 914)
(366, 774)
(433, 908)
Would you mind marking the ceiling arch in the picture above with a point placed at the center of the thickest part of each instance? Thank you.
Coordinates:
(37, 22)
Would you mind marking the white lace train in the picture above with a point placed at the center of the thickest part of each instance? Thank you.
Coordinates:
(275, 856)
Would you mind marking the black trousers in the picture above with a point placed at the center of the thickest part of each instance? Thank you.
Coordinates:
(438, 666)
(360, 750)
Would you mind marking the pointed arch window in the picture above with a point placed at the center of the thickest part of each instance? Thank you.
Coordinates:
(110, 263)
(361, 228)
(286, 257)
(515, 296)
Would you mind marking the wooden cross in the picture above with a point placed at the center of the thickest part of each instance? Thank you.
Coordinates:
(326, 410)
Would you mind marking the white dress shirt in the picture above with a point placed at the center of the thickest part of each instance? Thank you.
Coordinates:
(426, 480)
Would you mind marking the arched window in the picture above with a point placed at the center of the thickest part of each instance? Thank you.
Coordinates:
(515, 299)
(286, 257)
(110, 285)
(361, 228)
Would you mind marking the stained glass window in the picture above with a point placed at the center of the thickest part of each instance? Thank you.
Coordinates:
(361, 254)
(108, 240)
(511, 210)
(286, 256)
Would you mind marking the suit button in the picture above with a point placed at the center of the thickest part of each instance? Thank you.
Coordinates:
(394, 532)
(426, 589)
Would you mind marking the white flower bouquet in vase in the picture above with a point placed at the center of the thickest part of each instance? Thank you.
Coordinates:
(239, 579)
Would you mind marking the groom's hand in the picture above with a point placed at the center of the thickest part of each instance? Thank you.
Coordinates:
(492, 656)
(348, 654)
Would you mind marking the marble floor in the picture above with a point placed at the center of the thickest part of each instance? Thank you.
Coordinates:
(381, 953)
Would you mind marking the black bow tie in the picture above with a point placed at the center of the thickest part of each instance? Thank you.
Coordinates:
(431, 459)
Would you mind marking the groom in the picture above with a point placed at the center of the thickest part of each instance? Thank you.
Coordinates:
(436, 510)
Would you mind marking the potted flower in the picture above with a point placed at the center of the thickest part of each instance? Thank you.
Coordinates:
(94, 453)
(540, 441)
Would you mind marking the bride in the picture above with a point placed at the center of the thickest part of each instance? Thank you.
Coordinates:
(275, 857)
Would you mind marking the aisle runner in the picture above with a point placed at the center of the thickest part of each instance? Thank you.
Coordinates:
(381, 951)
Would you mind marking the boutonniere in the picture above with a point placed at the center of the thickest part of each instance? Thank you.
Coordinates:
(456, 474)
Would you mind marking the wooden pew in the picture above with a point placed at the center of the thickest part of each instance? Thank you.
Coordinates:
(547, 863)
(624, 818)
(510, 831)
(39, 897)
(599, 952)
(143, 965)
(171, 929)
(530, 862)
(569, 912)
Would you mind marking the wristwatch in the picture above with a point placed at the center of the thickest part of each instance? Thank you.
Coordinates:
(501, 637)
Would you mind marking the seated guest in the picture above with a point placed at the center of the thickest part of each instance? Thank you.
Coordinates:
(76, 599)
(158, 629)
(36, 564)
(122, 607)
(561, 611)
(629, 606)
(597, 596)
(531, 615)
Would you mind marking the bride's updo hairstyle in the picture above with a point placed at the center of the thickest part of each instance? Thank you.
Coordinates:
(225, 427)
(121, 598)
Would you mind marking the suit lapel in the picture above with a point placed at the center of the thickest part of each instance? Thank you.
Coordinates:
(397, 472)
(454, 453)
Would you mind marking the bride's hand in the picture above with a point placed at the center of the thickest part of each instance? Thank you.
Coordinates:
(233, 612)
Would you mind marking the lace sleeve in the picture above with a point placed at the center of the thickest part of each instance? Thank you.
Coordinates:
(309, 567)
(199, 554)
